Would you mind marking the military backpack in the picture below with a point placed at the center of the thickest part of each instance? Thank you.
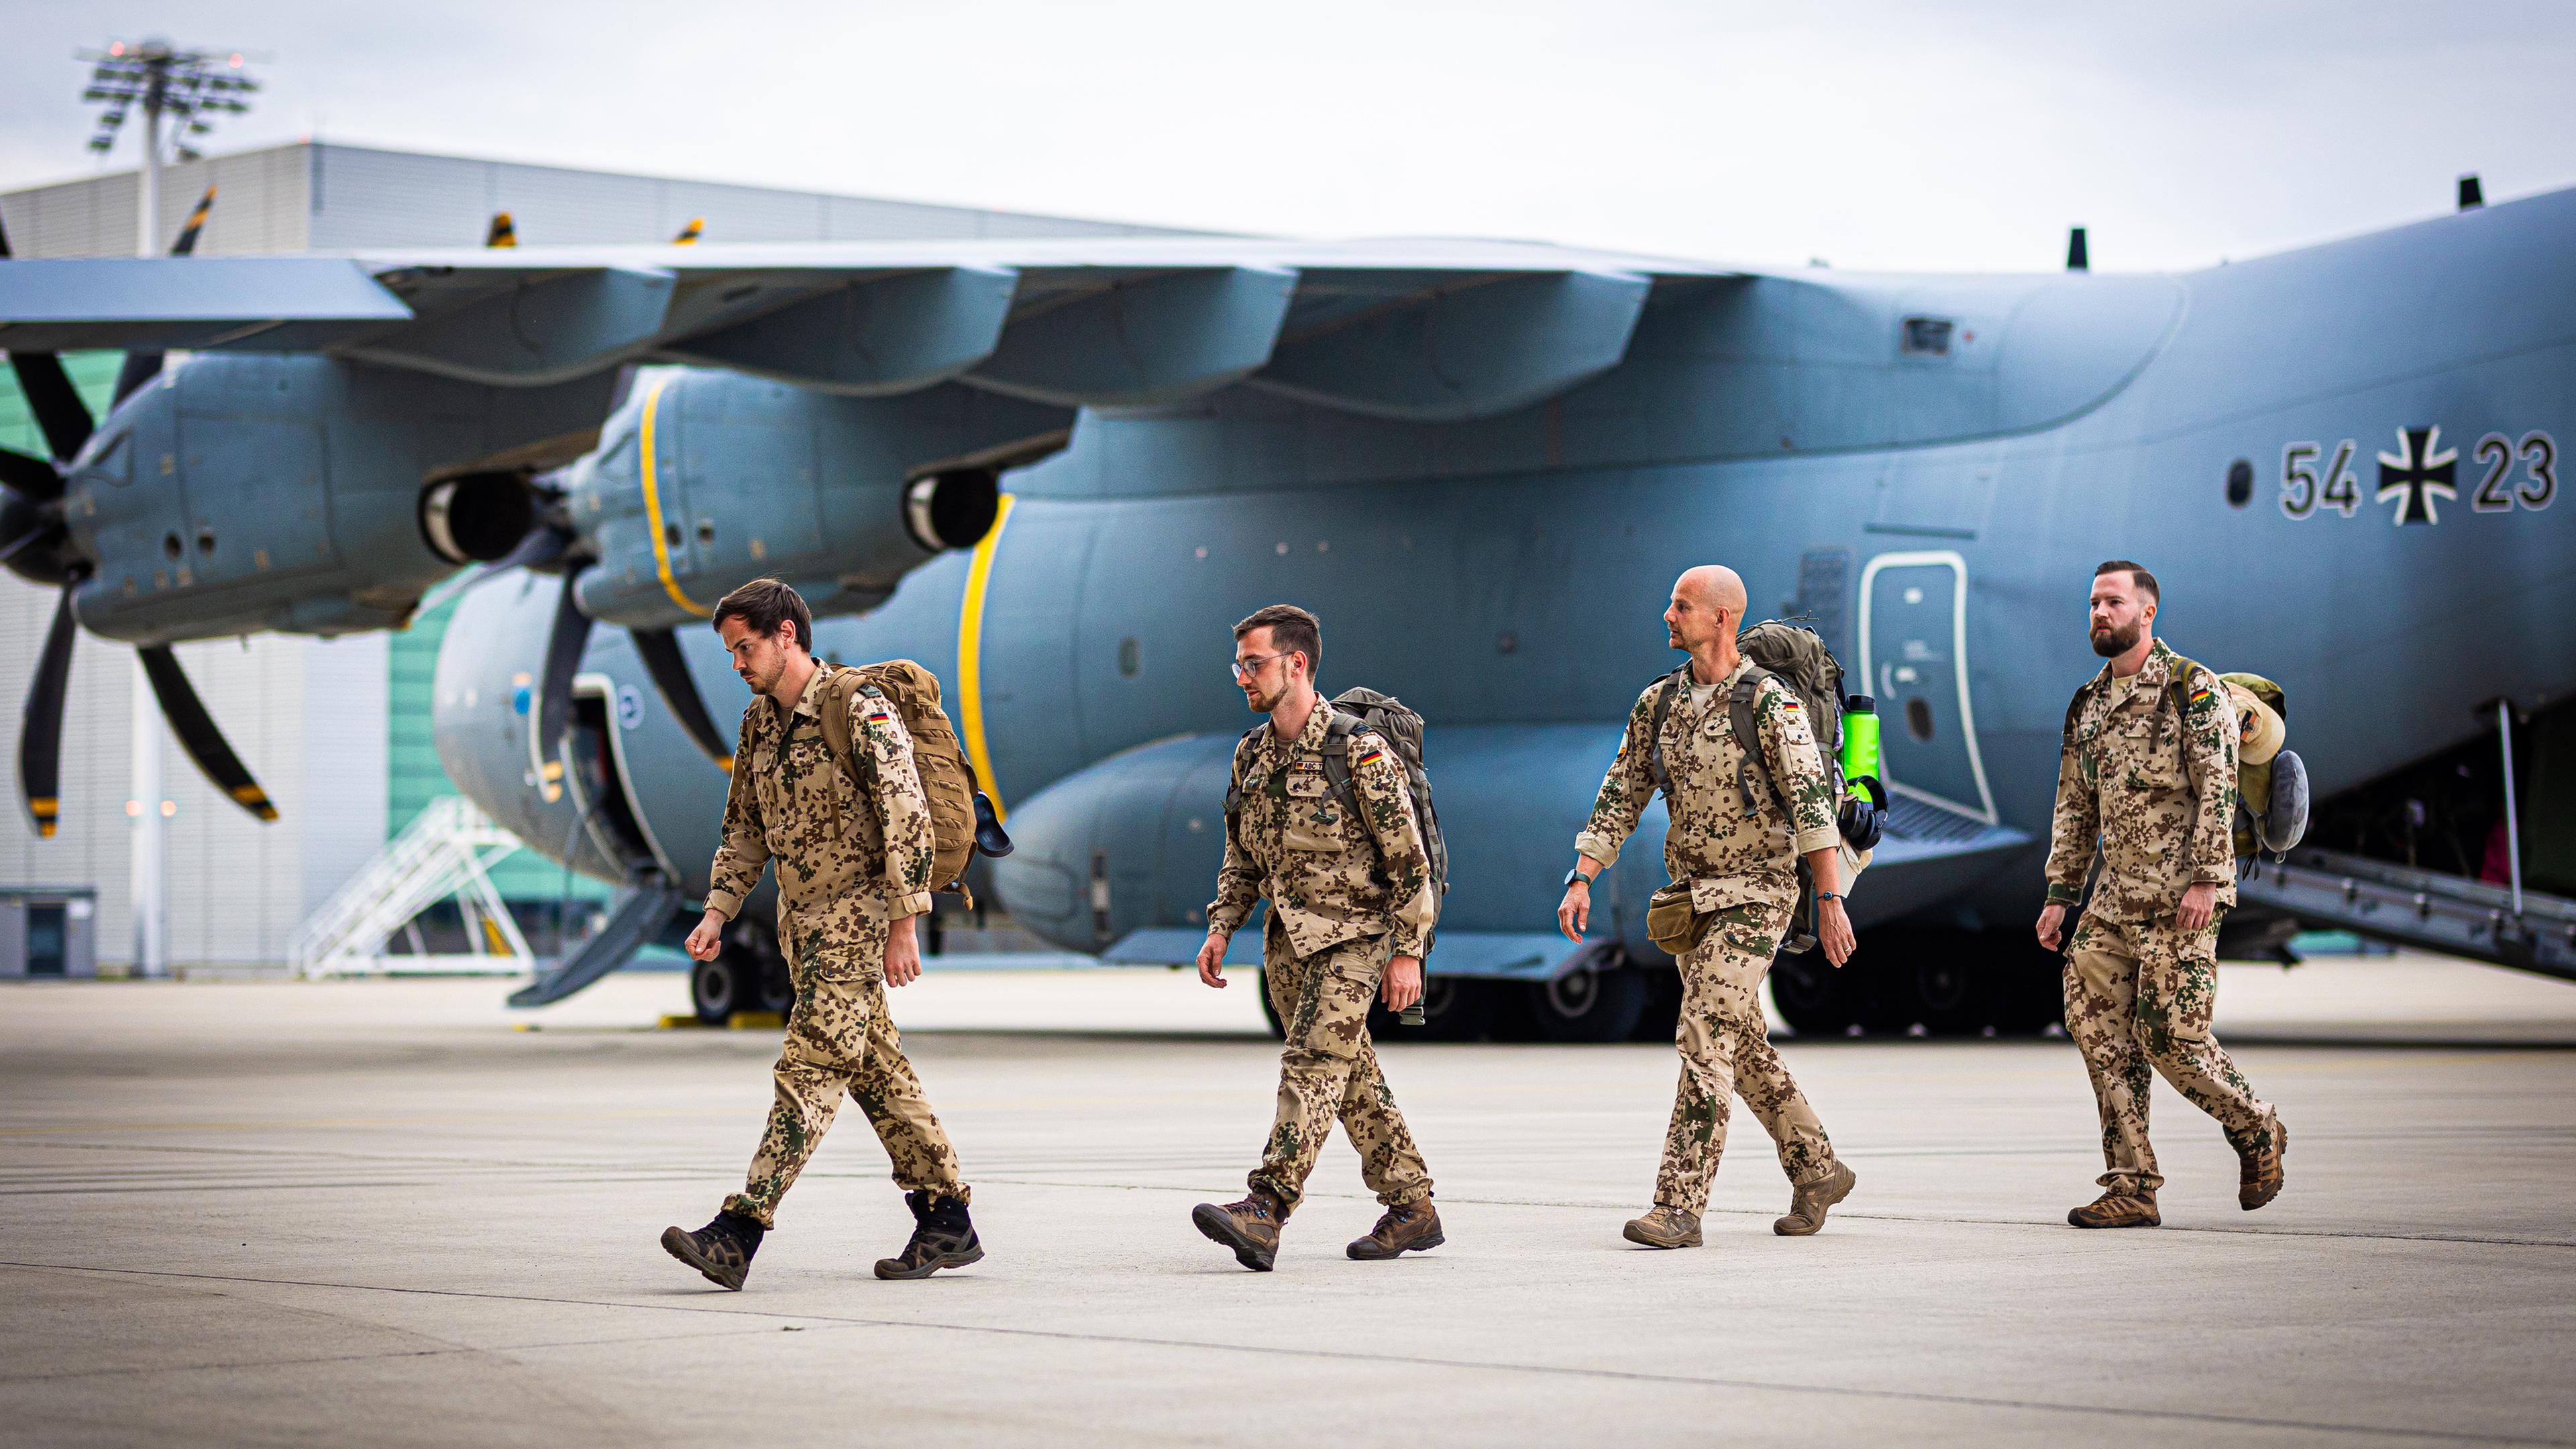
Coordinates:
(962, 820)
(2271, 782)
(1355, 710)
(1797, 657)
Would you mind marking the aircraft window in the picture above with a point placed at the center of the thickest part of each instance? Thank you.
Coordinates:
(170, 545)
(1918, 718)
(1927, 336)
(2240, 483)
(205, 540)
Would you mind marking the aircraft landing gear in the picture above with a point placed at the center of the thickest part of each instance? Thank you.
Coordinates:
(748, 975)
(1947, 982)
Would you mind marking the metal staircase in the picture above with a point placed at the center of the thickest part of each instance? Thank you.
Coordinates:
(2327, 890)
(448, 851)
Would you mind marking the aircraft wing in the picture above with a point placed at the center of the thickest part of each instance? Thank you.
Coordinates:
(1423, 330)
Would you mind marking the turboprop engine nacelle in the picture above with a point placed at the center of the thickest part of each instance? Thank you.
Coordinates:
(236, 493)
(705, 479)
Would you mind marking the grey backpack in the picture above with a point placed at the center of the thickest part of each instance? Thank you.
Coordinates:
(1392, 720)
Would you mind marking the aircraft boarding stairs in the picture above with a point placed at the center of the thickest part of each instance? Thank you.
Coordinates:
(448, 850)
(2328, 890)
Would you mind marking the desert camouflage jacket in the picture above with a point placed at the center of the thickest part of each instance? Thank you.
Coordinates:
(841, 854)
(2154, 786)
(1329, 878)
(1728, 856)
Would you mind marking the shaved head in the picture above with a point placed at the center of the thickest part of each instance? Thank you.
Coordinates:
(1715, 586)
(1706, 612)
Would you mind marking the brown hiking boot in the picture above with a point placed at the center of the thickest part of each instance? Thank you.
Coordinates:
(942, 1237)
(2260, 1179)
(721, 1251)
(1250, 1227)
(1808, 1203)
(1664, 1226)
(1407, 1227)
(2114, 1209)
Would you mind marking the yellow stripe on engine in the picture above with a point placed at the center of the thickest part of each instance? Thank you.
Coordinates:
(970, 657)
(653, 500)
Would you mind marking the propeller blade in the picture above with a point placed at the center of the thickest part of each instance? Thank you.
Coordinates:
(40, 733)
(60, 414)
(187, 241)
(551, 720)
(541, 546)
(660, 649)
(142, 367)
(30, 478)
(502, 233)
(689, 234)
(28, 539)
(197, 733)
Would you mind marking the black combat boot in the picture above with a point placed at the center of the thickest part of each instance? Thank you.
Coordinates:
(942, 1237)
(721, 1250)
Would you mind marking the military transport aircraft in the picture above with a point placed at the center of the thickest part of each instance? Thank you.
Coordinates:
(1056, 472)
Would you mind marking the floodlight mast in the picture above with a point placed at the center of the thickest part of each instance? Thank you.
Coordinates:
(188, 86)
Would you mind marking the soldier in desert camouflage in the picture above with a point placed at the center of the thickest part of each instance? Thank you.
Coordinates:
(1741, 867)
(854, 868)
(1351, 912)
(2148, 770)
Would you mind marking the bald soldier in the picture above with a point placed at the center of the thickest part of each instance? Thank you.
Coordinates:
(2148, 770)
(1742, 869)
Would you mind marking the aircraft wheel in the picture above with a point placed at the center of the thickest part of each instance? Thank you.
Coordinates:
(772, 990)
(1809, 993)
(1454, 1008)
(1663, 1013)
(1269, 1011)
(2026, 990)
(719, 988)
(1947, 998)
(1591, 1003)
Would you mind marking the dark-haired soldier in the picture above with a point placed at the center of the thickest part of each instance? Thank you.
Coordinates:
(2149, 770)
(854, 870)
(1351, 911)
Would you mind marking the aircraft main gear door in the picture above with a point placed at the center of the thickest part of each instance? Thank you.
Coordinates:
(1914, 659)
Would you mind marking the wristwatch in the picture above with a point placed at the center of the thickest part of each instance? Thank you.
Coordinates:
(1574, 875)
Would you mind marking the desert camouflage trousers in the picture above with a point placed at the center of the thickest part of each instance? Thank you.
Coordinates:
(1726, 1051)
(1329, 1072)
(2139, 999)
(840, 1040)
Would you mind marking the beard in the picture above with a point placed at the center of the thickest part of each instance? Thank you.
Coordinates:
(2112, 643)
(1264, 701)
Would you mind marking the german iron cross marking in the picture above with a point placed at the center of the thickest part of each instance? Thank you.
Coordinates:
(2416, 477)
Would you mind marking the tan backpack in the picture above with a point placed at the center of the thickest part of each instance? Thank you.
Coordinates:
(961, 818)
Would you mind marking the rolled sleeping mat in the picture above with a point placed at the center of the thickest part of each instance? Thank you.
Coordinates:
(2285, 821)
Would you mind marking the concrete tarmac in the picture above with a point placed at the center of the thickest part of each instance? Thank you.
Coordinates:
(376, 1213)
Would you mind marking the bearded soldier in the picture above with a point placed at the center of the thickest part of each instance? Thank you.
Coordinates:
(854, 865)
(1737, 850)
(2148, 769)
(1351, 911)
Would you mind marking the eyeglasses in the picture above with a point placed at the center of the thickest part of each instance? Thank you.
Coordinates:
(1246, 668)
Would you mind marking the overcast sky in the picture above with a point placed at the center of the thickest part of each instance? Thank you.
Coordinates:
(1884, 134)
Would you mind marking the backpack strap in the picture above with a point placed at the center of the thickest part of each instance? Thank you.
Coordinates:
(1234, 778)
(1337, 757)
(1748, 736)
(1664, 697)
(2177, 692)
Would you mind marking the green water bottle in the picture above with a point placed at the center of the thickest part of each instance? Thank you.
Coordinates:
(1860, 744)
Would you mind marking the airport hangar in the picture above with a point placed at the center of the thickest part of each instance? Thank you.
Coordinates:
(338, 730)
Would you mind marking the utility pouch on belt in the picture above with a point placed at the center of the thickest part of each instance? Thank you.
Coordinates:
(1672, 924)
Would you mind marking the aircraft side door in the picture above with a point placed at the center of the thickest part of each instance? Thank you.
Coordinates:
(1913, 659)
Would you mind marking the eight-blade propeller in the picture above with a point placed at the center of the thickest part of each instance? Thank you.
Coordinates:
(34, 544)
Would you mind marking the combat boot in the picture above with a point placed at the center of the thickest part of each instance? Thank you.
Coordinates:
(1250, 1227)
(2260, 1179)
(2115, 1209)
(942, 1237)
(1807, 1203)
(1664, 1226)
(721, 1250)
(1407, 1227)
